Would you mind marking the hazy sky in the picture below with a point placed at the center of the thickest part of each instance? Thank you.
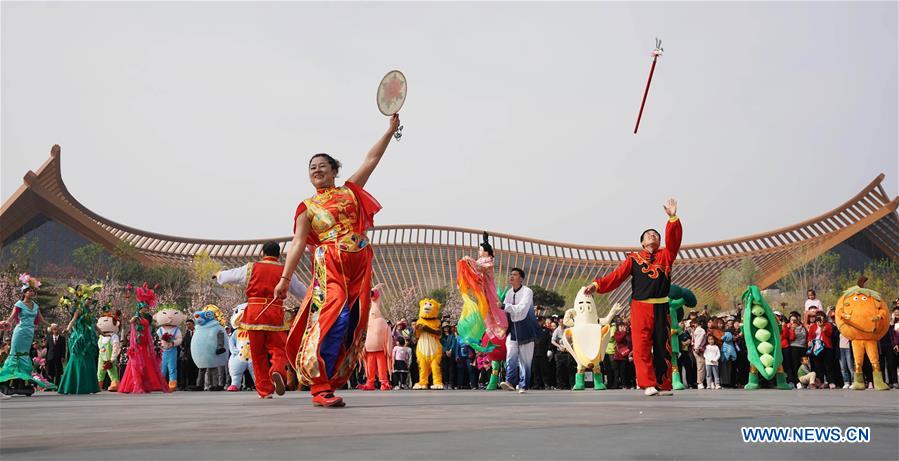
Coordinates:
(199, 119)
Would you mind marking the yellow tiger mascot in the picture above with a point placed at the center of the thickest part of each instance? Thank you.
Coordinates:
(429, 351)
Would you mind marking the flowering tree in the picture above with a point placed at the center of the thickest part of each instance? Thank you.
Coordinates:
(403, 304)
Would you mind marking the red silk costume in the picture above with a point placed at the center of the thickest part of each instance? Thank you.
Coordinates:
(327, 335)
(651, 321)
(264, 321)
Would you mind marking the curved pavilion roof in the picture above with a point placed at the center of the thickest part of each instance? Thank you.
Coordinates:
(424, 256)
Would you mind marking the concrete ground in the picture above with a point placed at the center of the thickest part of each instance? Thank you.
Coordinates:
(441, 425)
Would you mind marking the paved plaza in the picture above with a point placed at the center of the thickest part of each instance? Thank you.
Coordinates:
(441, 425)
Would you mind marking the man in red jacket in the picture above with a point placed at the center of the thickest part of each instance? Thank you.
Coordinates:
(650, 273)
(263, 317)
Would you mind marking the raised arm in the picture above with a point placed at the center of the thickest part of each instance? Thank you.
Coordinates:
(360, 177)
(673, 230)
(297, 247)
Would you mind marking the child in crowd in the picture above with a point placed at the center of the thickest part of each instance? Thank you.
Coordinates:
(806, 375)
(712, 354)
(401, 357)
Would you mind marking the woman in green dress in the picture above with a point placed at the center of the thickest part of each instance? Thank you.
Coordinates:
(80, 374)
(17, 373)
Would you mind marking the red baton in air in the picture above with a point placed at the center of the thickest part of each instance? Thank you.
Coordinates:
(655, 56)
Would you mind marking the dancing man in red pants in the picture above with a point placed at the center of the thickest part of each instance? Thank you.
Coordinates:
(650, 272)
(263, 317)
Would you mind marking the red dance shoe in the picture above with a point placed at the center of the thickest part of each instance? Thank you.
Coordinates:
(327, 400)
(386, 387)
(232, 388)
(367, 386)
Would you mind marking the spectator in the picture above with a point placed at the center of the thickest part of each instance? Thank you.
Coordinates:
(889, 345)
(56, 351)
(847, 366)
(608, 365)
(401, 356)
(711, 355)
(812, 301)
(835, 341)
(685, 361)
(787, 335)
(799, 344)
(623, 356)
(460, 359)
(806, 375)
(699, 341)
(540, 366)
(728, 357)
(448, 361)
(187, 374)
(821, 347)
(564, 361)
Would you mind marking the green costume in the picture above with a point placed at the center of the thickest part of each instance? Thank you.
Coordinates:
(79, 375)
(678, 297)
(762, 335)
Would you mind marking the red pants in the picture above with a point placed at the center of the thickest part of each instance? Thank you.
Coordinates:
(650, 333)
(263, 343)
(376, 362)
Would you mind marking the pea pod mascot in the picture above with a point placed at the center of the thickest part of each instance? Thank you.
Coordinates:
(761, 332)
(678, 297)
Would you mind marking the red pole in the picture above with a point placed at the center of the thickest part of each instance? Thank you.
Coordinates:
(645, 93)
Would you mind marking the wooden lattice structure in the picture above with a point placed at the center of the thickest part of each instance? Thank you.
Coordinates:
(424, 256)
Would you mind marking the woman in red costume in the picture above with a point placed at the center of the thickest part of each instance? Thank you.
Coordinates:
(143, 373)
(326, 338)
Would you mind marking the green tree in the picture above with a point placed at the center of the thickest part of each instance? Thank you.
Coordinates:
(22, 254)
(548, 299)
(883, 277)
(733, 281)
(91, 259)
(570, 288)
(203, 270)
(123, 264)
(820, 274)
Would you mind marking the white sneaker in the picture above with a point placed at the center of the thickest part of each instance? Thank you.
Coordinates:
(522, 390)
(717, 386)
(700, 386)
(650, 391)
(845, 386)
(832, 386)
(506, 386)
(798, 385)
